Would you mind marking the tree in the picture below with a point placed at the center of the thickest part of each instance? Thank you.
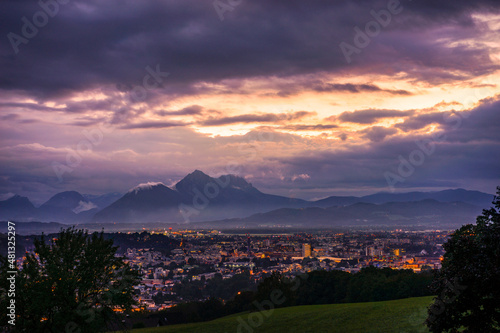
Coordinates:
(72, 284)
(277, 284)
(468, 285)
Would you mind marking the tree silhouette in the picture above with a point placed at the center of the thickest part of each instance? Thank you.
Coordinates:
(74, 283)
(468, 285)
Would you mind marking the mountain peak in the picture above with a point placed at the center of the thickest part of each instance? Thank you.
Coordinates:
(197, 175)
(17, 199)
(65, 199)
(237, 181)
(196, 178)
(145, 187)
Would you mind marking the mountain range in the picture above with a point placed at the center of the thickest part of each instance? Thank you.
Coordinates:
(231, 199)
(196, 197)
(423, 213)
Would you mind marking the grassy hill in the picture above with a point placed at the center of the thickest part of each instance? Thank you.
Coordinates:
(405, 315)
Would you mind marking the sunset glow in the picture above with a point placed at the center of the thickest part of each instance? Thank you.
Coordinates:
(266, 93)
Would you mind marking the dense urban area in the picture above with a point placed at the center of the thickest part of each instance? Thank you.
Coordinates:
(193, 265)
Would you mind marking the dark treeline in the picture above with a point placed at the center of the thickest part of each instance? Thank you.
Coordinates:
(158, 242)
(317, 287)
(216, 287)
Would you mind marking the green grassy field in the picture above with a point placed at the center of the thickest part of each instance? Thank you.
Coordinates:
(406, 315)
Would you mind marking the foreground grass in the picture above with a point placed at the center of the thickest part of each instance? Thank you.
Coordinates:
(406, 315)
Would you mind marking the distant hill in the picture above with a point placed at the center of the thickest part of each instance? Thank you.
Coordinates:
(69, 206)
(17, 208)
(472, 197)
(335, 201)
(36, 228)
(404, 315)
(64, 207)
(426, 212)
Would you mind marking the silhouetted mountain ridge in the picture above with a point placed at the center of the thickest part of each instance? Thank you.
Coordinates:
(149, 201)
(200, 197)
(428, 213)
(17, 208)
(472, 197)
(196, 197)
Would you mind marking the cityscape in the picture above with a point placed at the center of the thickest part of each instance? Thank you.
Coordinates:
(202, 255)
(232, 166)
(229, 255)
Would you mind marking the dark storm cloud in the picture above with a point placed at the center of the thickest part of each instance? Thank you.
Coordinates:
(10, 116)
(466, 157)
(257, 118)
(84, 106)
(466, 153)
(87, 121)
(89, 44)
(153, 124)
(296, 87)
(188, 111)
(27, 106)
(356, 88)
(422, 120)
(480, 125)
(370, 116)
(316, 127)
(28, 121)
(13, 117)
(377, 133)
(112, 46)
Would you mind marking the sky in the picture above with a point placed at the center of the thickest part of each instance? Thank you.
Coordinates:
(302, 98)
